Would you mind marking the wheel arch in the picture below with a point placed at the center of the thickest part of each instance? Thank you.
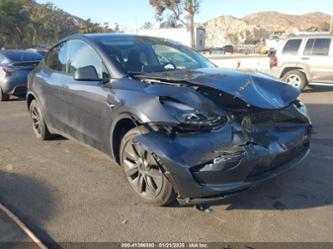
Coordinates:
(120, 127)
(298, 68)
(30, 97)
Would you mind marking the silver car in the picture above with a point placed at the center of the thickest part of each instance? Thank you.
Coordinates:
(304, 60)
(15, 65)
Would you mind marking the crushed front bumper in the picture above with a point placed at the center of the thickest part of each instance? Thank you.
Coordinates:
(196, 163)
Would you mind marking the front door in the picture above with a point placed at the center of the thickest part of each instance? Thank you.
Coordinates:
(86, 109)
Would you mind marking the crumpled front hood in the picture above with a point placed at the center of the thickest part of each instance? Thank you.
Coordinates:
(255, 89)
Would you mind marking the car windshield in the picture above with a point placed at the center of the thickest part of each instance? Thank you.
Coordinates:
(139, 55)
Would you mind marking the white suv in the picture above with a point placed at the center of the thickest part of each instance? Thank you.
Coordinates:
(304, 60)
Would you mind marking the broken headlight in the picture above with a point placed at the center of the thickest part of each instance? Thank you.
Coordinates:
(303, 109)
(296, 113)
(190, 118)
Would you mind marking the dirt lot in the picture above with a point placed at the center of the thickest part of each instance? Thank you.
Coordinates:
(67, 192)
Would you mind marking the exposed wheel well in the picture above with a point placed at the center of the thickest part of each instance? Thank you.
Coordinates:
(30, 98)
(121, 128)
(288, 69)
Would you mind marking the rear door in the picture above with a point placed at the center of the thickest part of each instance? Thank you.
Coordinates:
(50, 75)
(319, 58)
(290, 52)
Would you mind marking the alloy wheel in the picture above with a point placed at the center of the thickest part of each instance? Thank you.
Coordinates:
(294, 80)
(36, 120)
(142, 171)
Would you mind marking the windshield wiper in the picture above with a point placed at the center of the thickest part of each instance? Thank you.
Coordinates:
(135, 73)
(157, 80)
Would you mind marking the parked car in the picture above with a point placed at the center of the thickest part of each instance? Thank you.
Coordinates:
(15, 65)
(41, 51)
(180, 127)
(219, 50)
(304, 60)
(228, 49)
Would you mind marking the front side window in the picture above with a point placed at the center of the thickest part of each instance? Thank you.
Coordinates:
(317, 47)
(80, 55)
(292, 47)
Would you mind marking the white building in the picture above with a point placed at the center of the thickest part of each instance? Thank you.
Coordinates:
(181, 35)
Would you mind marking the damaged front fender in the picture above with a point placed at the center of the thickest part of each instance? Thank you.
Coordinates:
(225, 161)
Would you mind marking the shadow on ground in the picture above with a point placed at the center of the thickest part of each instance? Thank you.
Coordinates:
(29, 199)
(317, 89)
(16, 99)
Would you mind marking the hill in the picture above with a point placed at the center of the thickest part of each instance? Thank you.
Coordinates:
(255, 27)
(26, 23)
(276, 22)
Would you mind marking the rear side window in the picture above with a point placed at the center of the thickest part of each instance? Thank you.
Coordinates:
(317, 47)
(292, 47)
(56, 59)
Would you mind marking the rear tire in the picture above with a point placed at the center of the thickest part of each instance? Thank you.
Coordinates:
(38, 122)
(3, 96)
(143, 173)
(296, 79)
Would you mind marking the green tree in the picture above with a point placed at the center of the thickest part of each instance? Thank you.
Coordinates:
(147, 25)
(50, 24)
(88, 26)
(182, 11)
(171, 22)
(13, 20)
(25, 23)
(116, 27)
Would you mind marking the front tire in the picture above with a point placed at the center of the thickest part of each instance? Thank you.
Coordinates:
(144, 174)
(296, 79)
(38, 122)
(3, 96)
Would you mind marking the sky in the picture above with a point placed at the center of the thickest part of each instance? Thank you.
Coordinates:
(131, 14)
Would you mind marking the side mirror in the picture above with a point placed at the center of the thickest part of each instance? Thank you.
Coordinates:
(87, 73)
(106, 78)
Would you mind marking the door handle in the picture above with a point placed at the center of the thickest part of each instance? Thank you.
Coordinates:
(112, 101)
(111, 105)
(305, 58)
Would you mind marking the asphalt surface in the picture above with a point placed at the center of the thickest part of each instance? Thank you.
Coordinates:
(10, 232)
(67, 192)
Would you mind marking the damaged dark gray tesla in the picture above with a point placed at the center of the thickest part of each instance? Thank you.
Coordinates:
(180, 127)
